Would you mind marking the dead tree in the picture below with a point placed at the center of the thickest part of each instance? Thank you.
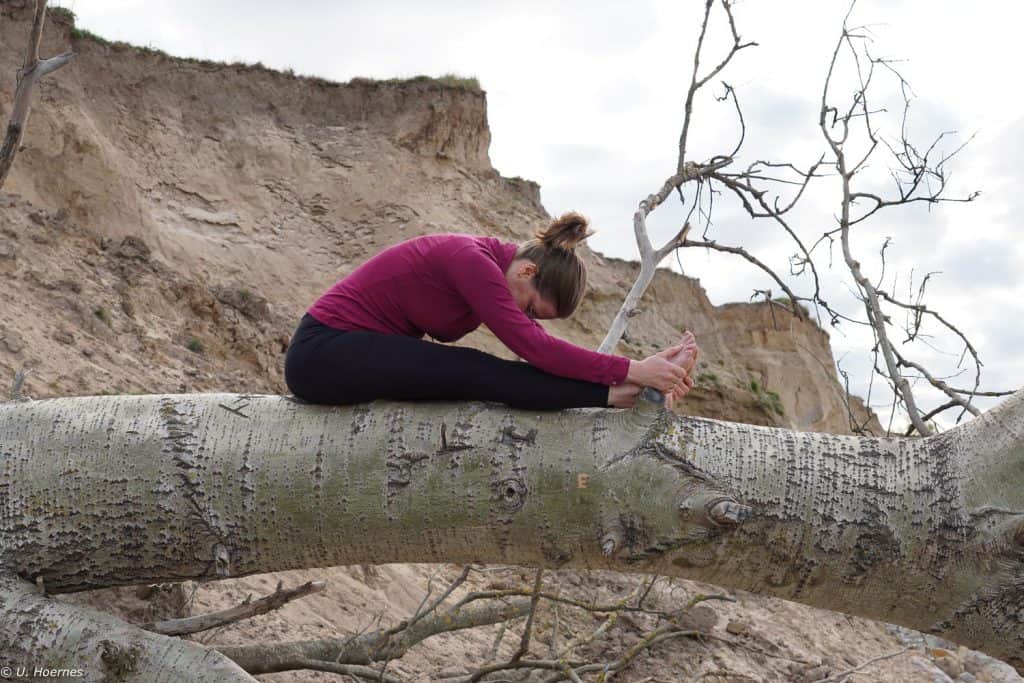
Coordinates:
(33, 70)
(919, 175)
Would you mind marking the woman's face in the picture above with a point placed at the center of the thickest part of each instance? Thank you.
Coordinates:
(520, 282)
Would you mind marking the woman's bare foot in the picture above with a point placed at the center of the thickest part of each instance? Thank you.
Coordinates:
(684, 354)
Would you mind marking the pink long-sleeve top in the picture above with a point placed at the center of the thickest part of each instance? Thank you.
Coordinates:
(445, 286)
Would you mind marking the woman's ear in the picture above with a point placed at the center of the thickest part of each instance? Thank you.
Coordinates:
(527, 270)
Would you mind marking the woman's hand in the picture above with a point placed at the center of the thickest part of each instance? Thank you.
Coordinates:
(657, 372)
(680, 391)
(669, 370)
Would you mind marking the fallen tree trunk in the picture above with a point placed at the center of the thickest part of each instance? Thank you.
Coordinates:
(927, 533)
(41, 638)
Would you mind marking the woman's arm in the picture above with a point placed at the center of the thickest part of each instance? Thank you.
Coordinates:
(475, 275)
(658, 372)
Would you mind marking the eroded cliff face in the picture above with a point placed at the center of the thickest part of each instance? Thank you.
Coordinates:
(232, 178)
(168, 222)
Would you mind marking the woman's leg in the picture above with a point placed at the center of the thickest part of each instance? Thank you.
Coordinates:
(624, 395)
(342, 367)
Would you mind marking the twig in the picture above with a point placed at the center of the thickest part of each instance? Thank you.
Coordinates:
(354, 670)
(19, 382)
(553, 641)
(492, 654)
(835, 678)
(245, 610)
(589, 607)
(939, 384)
(375, 646)
(603, 628)
(524, 643)
(794, 308)
(420, 612)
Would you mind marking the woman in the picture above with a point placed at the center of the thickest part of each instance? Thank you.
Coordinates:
(362, 340)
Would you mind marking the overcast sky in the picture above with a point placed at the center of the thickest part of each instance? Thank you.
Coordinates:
(586, 99)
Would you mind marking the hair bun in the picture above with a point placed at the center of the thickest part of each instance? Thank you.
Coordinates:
(565, 232)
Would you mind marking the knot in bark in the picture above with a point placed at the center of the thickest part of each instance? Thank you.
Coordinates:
(512, 494)
(221, 561)
(729, 513)
(119, 660)
(714, 509)
(690, 171)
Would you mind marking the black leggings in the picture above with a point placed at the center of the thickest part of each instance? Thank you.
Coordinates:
(338, 367)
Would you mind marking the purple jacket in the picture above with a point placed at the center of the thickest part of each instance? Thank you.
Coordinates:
(445, 286)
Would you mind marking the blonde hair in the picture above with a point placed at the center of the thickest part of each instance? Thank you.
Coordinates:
(561, 276)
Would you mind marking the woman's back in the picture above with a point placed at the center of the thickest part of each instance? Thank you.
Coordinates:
(407, 289)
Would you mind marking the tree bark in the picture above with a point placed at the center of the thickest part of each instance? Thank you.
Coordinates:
(927, 533)
(77, 643)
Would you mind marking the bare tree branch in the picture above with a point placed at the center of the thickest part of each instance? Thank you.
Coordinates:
(649, 256)
(377, 646)
(697, 83)
(524, 643)
(869, 296)
(938, 384)
(793, 308)
(842, 675)
(981, 393)
(246, 610)
(421, 612)
(354, 670)
(97, 640)
(32, 70)
(685, 172)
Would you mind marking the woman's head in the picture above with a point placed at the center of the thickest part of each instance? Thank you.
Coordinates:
(554, 285)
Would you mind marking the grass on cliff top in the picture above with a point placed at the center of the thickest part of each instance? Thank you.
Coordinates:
(448, 80)
(63, 13)
(85, 34)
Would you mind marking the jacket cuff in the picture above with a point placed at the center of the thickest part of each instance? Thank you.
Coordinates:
(618, 371)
